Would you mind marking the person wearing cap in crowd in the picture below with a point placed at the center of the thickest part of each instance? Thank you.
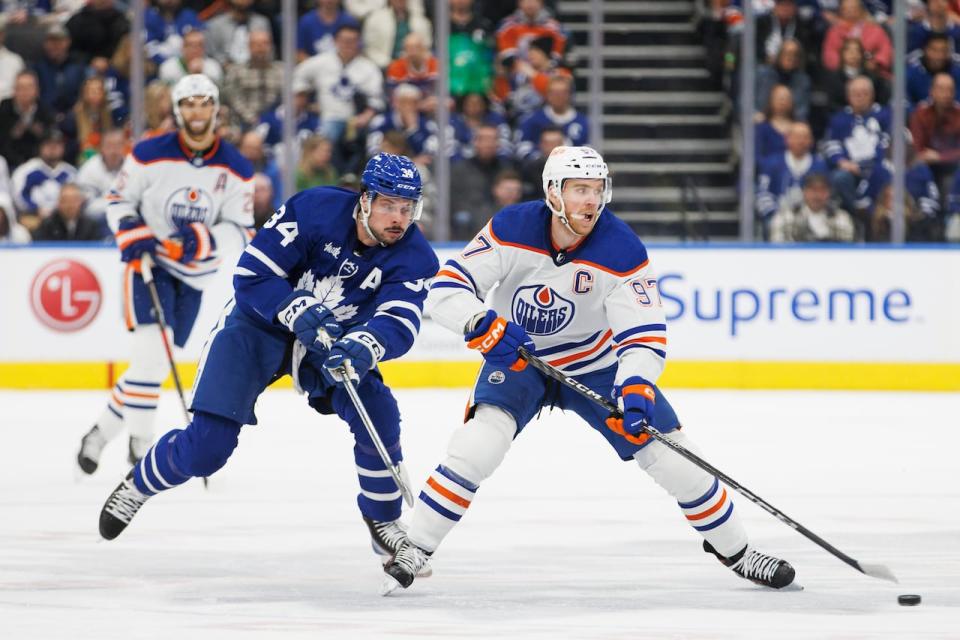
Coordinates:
(815, 219)
(60, 74)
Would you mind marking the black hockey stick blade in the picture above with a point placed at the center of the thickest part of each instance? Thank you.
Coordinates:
(873, 570)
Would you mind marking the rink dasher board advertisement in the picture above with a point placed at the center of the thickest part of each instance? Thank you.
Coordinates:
(737, 317)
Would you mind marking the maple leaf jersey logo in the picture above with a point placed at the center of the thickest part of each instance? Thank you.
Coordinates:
(330, 292)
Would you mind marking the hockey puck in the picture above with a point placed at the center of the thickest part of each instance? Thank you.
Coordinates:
(908, 600)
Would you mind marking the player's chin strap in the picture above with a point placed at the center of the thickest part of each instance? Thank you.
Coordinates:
(561, 212)
(363, 214)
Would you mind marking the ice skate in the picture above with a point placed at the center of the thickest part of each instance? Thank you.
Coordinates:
(91, 446)
(401, 570)
(757, 567)
(387, 538)
(120, 508)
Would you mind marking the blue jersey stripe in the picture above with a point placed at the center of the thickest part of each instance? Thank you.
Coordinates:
(644, 328)
(463, 271)
(451, 285)
(659, 352)
(566, 345)
(580, 365)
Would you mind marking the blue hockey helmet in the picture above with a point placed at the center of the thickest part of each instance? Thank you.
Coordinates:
(395, 176)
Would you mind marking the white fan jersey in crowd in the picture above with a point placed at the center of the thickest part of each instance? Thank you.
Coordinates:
(586, 307)
(168, 186)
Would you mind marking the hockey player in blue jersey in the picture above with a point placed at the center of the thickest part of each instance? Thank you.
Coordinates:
(353, 266)
(566, 279)
(186, 198)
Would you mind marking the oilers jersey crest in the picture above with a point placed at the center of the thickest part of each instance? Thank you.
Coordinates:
(586, 308)
(168, 185)
(311, 243)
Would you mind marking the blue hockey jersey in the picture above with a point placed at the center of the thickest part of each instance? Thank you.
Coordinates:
(777, 180)
(576, 130)
(862, 139)
(311, 243)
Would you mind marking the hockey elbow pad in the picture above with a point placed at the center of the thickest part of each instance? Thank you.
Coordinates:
(499, 340)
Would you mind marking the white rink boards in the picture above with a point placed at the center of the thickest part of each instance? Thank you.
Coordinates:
(564, 541)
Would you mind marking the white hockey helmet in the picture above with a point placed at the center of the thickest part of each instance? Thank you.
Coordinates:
(574, 162)
(189, 86)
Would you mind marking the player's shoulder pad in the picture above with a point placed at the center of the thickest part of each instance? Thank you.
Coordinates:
(523, 225)
(162, 147)
(229, 157)
(613, 246)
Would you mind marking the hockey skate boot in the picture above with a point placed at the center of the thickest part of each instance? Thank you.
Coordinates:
(404, 567)
(120, 508)
(386, 538)
(91, 446)
(137, 448)
(757, 567)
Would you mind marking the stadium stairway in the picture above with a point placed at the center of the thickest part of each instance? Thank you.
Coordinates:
(666, 136)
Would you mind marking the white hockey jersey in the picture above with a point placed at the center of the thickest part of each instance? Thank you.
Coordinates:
(168, 186)
(586, 308)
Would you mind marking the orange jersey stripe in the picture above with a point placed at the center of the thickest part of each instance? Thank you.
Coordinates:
(712, 510)
(446, 493)
(641, 340)
(451, 274)
(583, 354)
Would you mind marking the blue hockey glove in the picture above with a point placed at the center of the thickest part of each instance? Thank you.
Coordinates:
(134, 238)
(190, 243)
(638, 398)
(499, 341)
(354, 355)
(303, 315)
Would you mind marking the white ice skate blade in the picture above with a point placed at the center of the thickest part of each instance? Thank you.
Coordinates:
(388, 586)
(793, 586)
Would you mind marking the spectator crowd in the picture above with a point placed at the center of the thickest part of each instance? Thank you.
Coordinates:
(823, 128)
(364, 82)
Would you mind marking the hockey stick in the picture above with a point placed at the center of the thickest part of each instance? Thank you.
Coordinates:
(146, 270)
(396, 470)
(873, 570)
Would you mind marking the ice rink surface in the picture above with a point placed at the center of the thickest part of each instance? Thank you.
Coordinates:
(564, 541)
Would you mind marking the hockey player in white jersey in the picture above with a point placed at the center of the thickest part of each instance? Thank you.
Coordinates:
(186, 198)
(576, 288)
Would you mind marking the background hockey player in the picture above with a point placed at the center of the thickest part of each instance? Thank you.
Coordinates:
(575, 287)
(353, 266)
(186, 198)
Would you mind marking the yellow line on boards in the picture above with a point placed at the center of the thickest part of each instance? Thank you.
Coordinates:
(892, 376)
